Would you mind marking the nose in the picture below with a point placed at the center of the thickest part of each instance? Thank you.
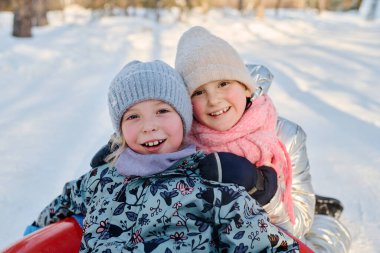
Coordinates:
(213, 98)
(150, 125)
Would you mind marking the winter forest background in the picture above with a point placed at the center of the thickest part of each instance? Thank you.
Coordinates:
(57, 59)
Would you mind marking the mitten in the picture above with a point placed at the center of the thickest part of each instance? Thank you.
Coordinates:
(269, 180)
(30, 229)
(260, 182)
(100, 156)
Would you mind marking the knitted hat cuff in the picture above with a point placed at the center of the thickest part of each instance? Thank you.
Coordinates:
(215, 72)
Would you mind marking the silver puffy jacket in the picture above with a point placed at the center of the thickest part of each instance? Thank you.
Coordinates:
(320, 232)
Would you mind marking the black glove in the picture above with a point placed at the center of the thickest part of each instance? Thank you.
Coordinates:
(99, 157)
(260, 182)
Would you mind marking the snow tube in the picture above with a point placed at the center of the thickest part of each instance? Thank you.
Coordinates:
(63, 236)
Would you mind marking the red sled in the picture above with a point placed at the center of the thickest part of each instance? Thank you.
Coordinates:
(65, 237)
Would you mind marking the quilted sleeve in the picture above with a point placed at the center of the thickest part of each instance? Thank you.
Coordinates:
(70, 201)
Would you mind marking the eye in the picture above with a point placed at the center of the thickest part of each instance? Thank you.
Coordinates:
(163, 110)
(223, 84)
(197, 93)
(131, 117)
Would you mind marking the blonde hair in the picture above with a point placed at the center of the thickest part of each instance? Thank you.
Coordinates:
(118, 145)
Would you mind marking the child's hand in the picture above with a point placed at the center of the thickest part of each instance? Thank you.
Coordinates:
(228, 168)
(270, 185)
(261, 183)
(30, 229)
(99, 157)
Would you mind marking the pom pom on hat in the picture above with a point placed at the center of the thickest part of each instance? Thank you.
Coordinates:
(140, 81)
(203, 57)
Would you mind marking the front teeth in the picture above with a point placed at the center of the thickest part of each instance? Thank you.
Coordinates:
(152, 143)
(219, 112)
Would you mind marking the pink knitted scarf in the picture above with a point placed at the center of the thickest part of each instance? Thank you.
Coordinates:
(253, 137)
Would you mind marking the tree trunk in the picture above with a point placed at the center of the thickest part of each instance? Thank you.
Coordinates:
(250, 5)
(260, 9)
(184, 9)
(22, 20)
(40, 13)
(205, 5)
(240, 5)
(358, 4)
(372, 10)
(157, 8)
(322, 5)
(277, 7)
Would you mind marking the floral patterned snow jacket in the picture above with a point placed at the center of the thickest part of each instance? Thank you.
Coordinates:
(172, 211)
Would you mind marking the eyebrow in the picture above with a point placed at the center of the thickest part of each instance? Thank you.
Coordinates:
(159, 102)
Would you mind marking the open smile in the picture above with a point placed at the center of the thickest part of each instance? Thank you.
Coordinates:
(154, 143)
(220, 112)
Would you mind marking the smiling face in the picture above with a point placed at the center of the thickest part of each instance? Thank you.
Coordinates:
(152, 127)
(219, 105)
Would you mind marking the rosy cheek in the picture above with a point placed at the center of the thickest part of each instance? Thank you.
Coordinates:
(198, 109)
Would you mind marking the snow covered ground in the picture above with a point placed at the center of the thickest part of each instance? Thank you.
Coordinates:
(54, 117)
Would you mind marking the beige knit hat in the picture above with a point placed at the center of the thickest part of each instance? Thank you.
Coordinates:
(203, 57)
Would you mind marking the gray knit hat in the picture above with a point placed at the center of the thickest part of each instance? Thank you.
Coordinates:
(203, 57)
(139, 81)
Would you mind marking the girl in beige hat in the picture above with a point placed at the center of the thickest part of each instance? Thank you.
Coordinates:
(232, 114)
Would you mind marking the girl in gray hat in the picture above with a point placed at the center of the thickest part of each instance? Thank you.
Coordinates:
(150, 195)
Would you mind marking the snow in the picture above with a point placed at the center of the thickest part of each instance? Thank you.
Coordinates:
(54, 116)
